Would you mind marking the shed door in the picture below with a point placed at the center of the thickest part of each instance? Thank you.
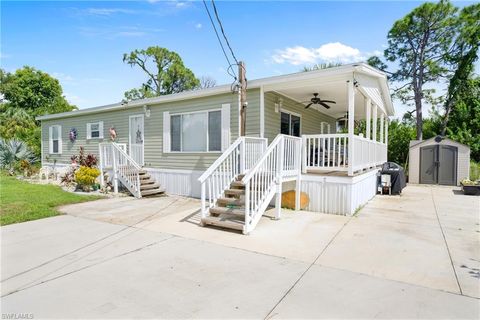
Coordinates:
(447, 165)
(428, 164)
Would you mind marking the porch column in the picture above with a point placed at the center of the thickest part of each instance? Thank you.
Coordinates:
(381, 127)
(368, 117)
(375, 117)
(351, 115)
(386, 130)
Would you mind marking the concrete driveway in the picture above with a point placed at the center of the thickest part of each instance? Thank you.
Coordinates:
(410, 256)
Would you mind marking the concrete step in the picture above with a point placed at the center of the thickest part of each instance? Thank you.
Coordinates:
(217, 211)
(223, 202)
(230, 222)
(149, 186)
(152, 192)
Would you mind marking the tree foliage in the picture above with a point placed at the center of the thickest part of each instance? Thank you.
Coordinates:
(26, 94)
(420, 44)
(165, 71)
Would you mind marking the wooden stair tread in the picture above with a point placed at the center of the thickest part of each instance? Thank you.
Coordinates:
(152, 192)
(224, 222)
(230, 201)
(149, 186)
(226, 210)
(235, 191)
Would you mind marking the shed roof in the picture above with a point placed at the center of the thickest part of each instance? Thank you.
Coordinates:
(419, 143)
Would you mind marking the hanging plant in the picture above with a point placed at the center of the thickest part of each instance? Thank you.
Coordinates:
(113, 133)
(72, 134)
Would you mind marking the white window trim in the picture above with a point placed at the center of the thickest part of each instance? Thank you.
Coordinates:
(283, 110)
(100, 130)
(193, 112)
(50, 139)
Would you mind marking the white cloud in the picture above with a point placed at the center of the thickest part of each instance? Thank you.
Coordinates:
(329, 52)
(198, 26)
(108, 11)
(62, 77)
(73, 99)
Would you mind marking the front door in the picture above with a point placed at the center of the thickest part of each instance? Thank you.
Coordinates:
(438, 165)
(136, 138)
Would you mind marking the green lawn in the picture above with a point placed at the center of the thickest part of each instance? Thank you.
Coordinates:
(21, 201)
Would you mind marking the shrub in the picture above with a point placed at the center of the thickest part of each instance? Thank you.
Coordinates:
(474, 170)
(15, 154)
(89, 160)
(86, 177)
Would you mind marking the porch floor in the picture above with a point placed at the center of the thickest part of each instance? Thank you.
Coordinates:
(337, 173)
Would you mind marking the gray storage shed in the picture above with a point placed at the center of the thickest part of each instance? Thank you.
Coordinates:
(438, 160)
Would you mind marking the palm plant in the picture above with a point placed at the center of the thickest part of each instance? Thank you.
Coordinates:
(13, 151)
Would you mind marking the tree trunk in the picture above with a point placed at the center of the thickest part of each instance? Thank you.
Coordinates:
(418, 108)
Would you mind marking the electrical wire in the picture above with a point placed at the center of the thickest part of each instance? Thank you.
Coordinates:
(223, 32)
(234, 75)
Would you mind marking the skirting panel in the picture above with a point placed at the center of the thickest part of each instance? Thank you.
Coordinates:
(184, 183)
(341, 196)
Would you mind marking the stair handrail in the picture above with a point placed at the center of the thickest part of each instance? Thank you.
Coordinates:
(126, 169)
(260, 181)
(226, 168)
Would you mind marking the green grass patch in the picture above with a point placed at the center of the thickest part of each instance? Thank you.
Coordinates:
(21, 201)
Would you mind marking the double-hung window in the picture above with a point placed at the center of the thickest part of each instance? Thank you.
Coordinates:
(196, 131)
(290, 124)
(55, 139)
(95, 130)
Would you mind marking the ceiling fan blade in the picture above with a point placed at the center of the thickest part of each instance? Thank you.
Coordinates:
(308, 105)
(324, 104)
(329, 101)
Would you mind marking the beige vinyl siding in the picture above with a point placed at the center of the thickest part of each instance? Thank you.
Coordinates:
(310, 118)
(153, 135)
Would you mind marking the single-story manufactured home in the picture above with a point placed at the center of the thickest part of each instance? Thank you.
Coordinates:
(301, 134)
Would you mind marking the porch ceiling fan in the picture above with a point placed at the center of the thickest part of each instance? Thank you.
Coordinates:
(317, 100)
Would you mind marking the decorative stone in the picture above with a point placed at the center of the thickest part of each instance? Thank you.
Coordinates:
(288, 200)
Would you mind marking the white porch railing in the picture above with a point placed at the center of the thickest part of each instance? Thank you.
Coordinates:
(136, 152)
(326, 152)
(282, 159)
(368, 153)
(237, 159)
(105, 154)
(329, 152)
(126, 170)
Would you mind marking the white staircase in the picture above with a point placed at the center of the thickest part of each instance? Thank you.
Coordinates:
(236, 196)
(126, 170)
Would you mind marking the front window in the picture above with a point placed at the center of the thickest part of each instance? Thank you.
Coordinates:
(95, 130)
(196, 132)
(55, 139)
(290, 124)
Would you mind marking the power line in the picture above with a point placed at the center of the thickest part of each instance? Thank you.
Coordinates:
(220, 42)
(223, 31)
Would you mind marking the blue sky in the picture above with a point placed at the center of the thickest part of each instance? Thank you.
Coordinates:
(82, 43)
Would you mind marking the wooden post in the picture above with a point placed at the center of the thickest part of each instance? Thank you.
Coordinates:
(298, 184)
(114, 166)
(375, 117)
(278, 199)
(351, 115)
(243, 97)
(386, 131)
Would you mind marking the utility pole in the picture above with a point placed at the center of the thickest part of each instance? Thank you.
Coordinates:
(243, 97)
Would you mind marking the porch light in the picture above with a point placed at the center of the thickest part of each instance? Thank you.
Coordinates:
(146, 110)
(278, 105)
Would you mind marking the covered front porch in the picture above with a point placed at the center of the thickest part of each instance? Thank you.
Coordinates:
(347, 135)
